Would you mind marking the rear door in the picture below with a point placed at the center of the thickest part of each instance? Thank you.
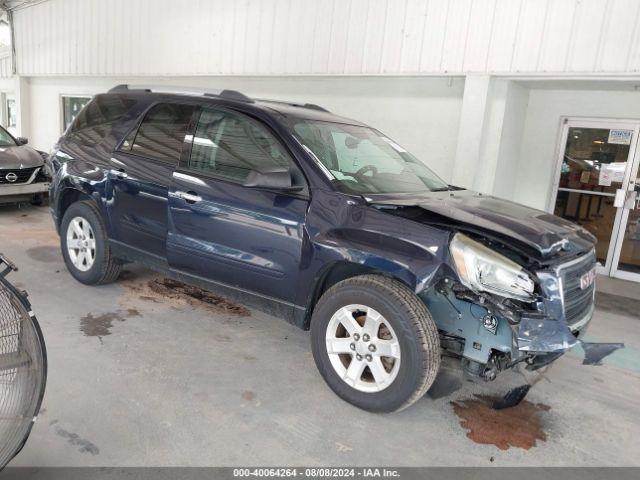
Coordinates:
(140, 175)
(222, 231)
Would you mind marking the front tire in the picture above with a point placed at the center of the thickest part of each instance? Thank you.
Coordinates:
(375, 343)
(85, 247)
(37, 200)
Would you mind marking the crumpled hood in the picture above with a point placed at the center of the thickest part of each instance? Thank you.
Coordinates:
(545, 233)
(19, 157)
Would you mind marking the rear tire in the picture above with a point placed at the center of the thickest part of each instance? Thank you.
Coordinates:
(404, 331)
(85, 245)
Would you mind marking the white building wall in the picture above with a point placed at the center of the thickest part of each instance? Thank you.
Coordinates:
(422, 114)
(399, 65)
(302, 37)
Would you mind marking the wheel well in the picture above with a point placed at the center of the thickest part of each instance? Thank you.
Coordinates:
(68, 197)
(337, 273)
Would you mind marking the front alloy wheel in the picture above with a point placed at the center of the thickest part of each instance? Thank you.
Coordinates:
(363, 348)
(375, 343)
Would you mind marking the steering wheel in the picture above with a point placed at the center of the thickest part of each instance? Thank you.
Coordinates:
(366, 169)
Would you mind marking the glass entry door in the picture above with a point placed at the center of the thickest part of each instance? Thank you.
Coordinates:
(626, 260)
(595, 187)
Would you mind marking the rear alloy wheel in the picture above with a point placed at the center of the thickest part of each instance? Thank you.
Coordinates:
(81, 244)
(375, 343)
(85, 246)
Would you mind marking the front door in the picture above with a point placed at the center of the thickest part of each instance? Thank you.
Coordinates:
(596, 188)
(224, 232)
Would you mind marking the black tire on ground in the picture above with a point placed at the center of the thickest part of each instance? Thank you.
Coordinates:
(105, 268)
(410, 319)
(37, 200)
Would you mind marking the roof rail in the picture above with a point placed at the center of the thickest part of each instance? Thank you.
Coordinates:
(311, 106)
(226, 94)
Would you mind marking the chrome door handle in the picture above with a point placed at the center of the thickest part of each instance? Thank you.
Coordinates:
(189, 197)
(630, 200)
(625, 199)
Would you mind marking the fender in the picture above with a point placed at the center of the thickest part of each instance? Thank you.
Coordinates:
(75, 180)
(347, 237)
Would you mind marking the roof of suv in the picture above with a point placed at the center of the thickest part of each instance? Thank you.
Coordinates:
(307, 111)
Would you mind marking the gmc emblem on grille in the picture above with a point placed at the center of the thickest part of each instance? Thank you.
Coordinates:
(11, 177)
(587, 279)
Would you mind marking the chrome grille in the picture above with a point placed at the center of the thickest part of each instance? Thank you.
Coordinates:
(22, 175)
(577, 302)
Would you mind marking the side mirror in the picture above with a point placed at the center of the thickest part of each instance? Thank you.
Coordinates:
(277, 178)
(22, 140)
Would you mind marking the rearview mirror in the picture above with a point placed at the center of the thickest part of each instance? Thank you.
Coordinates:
(22, 140)
(278, 178)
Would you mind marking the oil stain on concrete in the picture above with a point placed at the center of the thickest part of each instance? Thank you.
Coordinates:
(100, 325)
(85, 446)
(176, 295)
(45, 253)
(177, 290)
(519, 426)
(248, 395)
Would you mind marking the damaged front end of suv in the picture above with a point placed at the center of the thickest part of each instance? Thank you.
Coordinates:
(498, 314)
(517, 287)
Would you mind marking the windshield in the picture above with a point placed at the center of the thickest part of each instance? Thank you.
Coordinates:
(364, 161)
(6, 140)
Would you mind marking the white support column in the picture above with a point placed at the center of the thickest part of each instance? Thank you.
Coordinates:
(471, 132)
(23, 106)
(514, 114)
(490, 136)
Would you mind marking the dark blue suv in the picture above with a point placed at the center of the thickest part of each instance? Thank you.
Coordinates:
(326, 222)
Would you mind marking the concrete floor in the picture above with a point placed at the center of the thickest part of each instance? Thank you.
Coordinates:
(167, 383)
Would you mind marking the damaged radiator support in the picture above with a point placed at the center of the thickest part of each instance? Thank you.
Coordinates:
(536, 338)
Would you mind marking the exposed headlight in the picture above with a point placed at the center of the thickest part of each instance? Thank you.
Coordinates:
(482, 269)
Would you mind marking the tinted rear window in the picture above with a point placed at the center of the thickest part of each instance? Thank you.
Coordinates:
(97, 118)
(102, 110)
(161, 133)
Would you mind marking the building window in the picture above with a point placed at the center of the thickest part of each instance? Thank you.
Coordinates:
(71, 107)
(12, 115)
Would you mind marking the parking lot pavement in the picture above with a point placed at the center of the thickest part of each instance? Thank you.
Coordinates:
(139, 375)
